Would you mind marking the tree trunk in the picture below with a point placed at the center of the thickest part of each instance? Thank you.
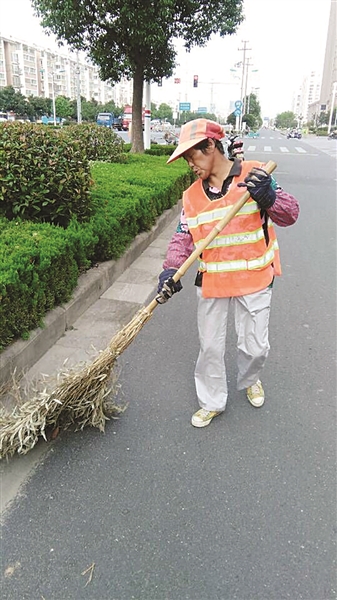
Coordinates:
(137, 110)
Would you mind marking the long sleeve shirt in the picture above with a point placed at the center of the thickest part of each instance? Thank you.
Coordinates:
(283, 213)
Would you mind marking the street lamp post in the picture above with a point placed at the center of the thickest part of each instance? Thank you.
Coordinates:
(78, 90)
(53, 97)
(53, 91)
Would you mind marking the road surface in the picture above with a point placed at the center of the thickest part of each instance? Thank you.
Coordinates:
(244, 509)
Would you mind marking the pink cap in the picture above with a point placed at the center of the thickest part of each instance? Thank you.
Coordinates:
(194, 132)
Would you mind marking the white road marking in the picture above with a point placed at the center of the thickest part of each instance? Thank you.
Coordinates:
(251, 148)
(267, 148)
(284, 149)
(301, 150)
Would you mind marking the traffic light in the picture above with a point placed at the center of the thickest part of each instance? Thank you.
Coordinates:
(195, 80)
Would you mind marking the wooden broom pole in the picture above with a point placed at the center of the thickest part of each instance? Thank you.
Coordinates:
(269, 168)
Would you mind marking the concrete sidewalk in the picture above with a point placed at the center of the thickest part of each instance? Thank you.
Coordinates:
(105, 299)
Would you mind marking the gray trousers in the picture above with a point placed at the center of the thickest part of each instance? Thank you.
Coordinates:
(251, 324)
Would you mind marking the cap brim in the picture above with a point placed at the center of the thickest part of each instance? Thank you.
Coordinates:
(183, 147)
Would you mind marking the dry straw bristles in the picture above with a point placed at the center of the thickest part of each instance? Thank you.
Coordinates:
(80, 398)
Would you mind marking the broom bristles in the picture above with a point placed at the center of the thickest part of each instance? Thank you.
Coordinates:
(79, 399)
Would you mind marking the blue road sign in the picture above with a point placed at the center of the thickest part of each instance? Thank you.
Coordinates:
(238, 104)
(237, 112)
(184, 106)
(202, 109)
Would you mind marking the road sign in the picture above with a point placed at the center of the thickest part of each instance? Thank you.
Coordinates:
(237, 112)
(202, 109)
(238, 104)
(184, 106)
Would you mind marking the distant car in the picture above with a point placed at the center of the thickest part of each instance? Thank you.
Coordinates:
(253, 134)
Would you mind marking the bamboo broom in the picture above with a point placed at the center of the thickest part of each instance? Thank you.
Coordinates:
(79, 398)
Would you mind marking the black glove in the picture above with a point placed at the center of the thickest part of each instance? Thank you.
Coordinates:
(166, 286)
(258, 184)
(235, 147)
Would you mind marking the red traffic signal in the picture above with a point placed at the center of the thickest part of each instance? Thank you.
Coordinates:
(195, 80)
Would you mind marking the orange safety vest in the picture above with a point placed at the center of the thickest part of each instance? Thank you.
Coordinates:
(238, 261)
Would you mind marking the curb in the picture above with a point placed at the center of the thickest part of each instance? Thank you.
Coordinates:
(21, 355)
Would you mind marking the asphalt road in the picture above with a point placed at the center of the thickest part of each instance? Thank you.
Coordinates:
(244, 509)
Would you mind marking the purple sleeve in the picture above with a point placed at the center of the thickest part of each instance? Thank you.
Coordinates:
(285, 209)
(180, 247)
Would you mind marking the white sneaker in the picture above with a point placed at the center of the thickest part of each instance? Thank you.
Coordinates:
(203, 417)
(255, 394)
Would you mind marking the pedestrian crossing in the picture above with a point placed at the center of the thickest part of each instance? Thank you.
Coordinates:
(283, 149)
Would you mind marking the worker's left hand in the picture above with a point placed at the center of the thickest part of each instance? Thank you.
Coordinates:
(259, 185)
(166, 286)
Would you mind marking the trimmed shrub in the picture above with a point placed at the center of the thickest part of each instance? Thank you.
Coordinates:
(37, 272)
(44, 174)
(155, 150)
(39, 263)
(100, 143)
(158, 150)
(323, 131)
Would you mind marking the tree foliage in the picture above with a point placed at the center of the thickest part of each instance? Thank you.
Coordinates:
(134, 38)
(252, 117)
(64, 107)
(13, 101)
(286, 120)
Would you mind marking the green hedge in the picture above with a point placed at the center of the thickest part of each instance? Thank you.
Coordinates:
(100, 143)
(40, 263)
(45, 171)
(43, 175)
(155, 150)
(37, 272)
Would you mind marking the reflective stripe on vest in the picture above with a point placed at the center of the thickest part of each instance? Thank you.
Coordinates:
(241, 265)
(215, 215)
(234, 239)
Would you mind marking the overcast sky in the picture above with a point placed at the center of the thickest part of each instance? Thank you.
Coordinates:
(286, 39)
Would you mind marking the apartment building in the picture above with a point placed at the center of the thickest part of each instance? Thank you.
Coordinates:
(329, 78)
(308, 94)
(38, 71)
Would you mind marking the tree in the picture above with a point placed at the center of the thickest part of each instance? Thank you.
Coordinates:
(13, 101)
(64, 107)
(286, 120)
(323, 118)
(165, 112)
(134, 38)
(252, 117)
(40, 106)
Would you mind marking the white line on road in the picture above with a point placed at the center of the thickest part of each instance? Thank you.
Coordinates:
(284, 149)
(301, 150)
(251, 148)
(267, 148)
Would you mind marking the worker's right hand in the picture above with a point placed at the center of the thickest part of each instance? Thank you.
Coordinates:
(235, 147)
(166, 286)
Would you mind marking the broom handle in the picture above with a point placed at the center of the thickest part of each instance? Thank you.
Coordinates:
(269, 168)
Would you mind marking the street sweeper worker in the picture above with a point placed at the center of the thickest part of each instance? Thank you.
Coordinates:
(237, 268)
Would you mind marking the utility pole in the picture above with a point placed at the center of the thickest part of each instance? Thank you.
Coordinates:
(245, 99)
(244, 50)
